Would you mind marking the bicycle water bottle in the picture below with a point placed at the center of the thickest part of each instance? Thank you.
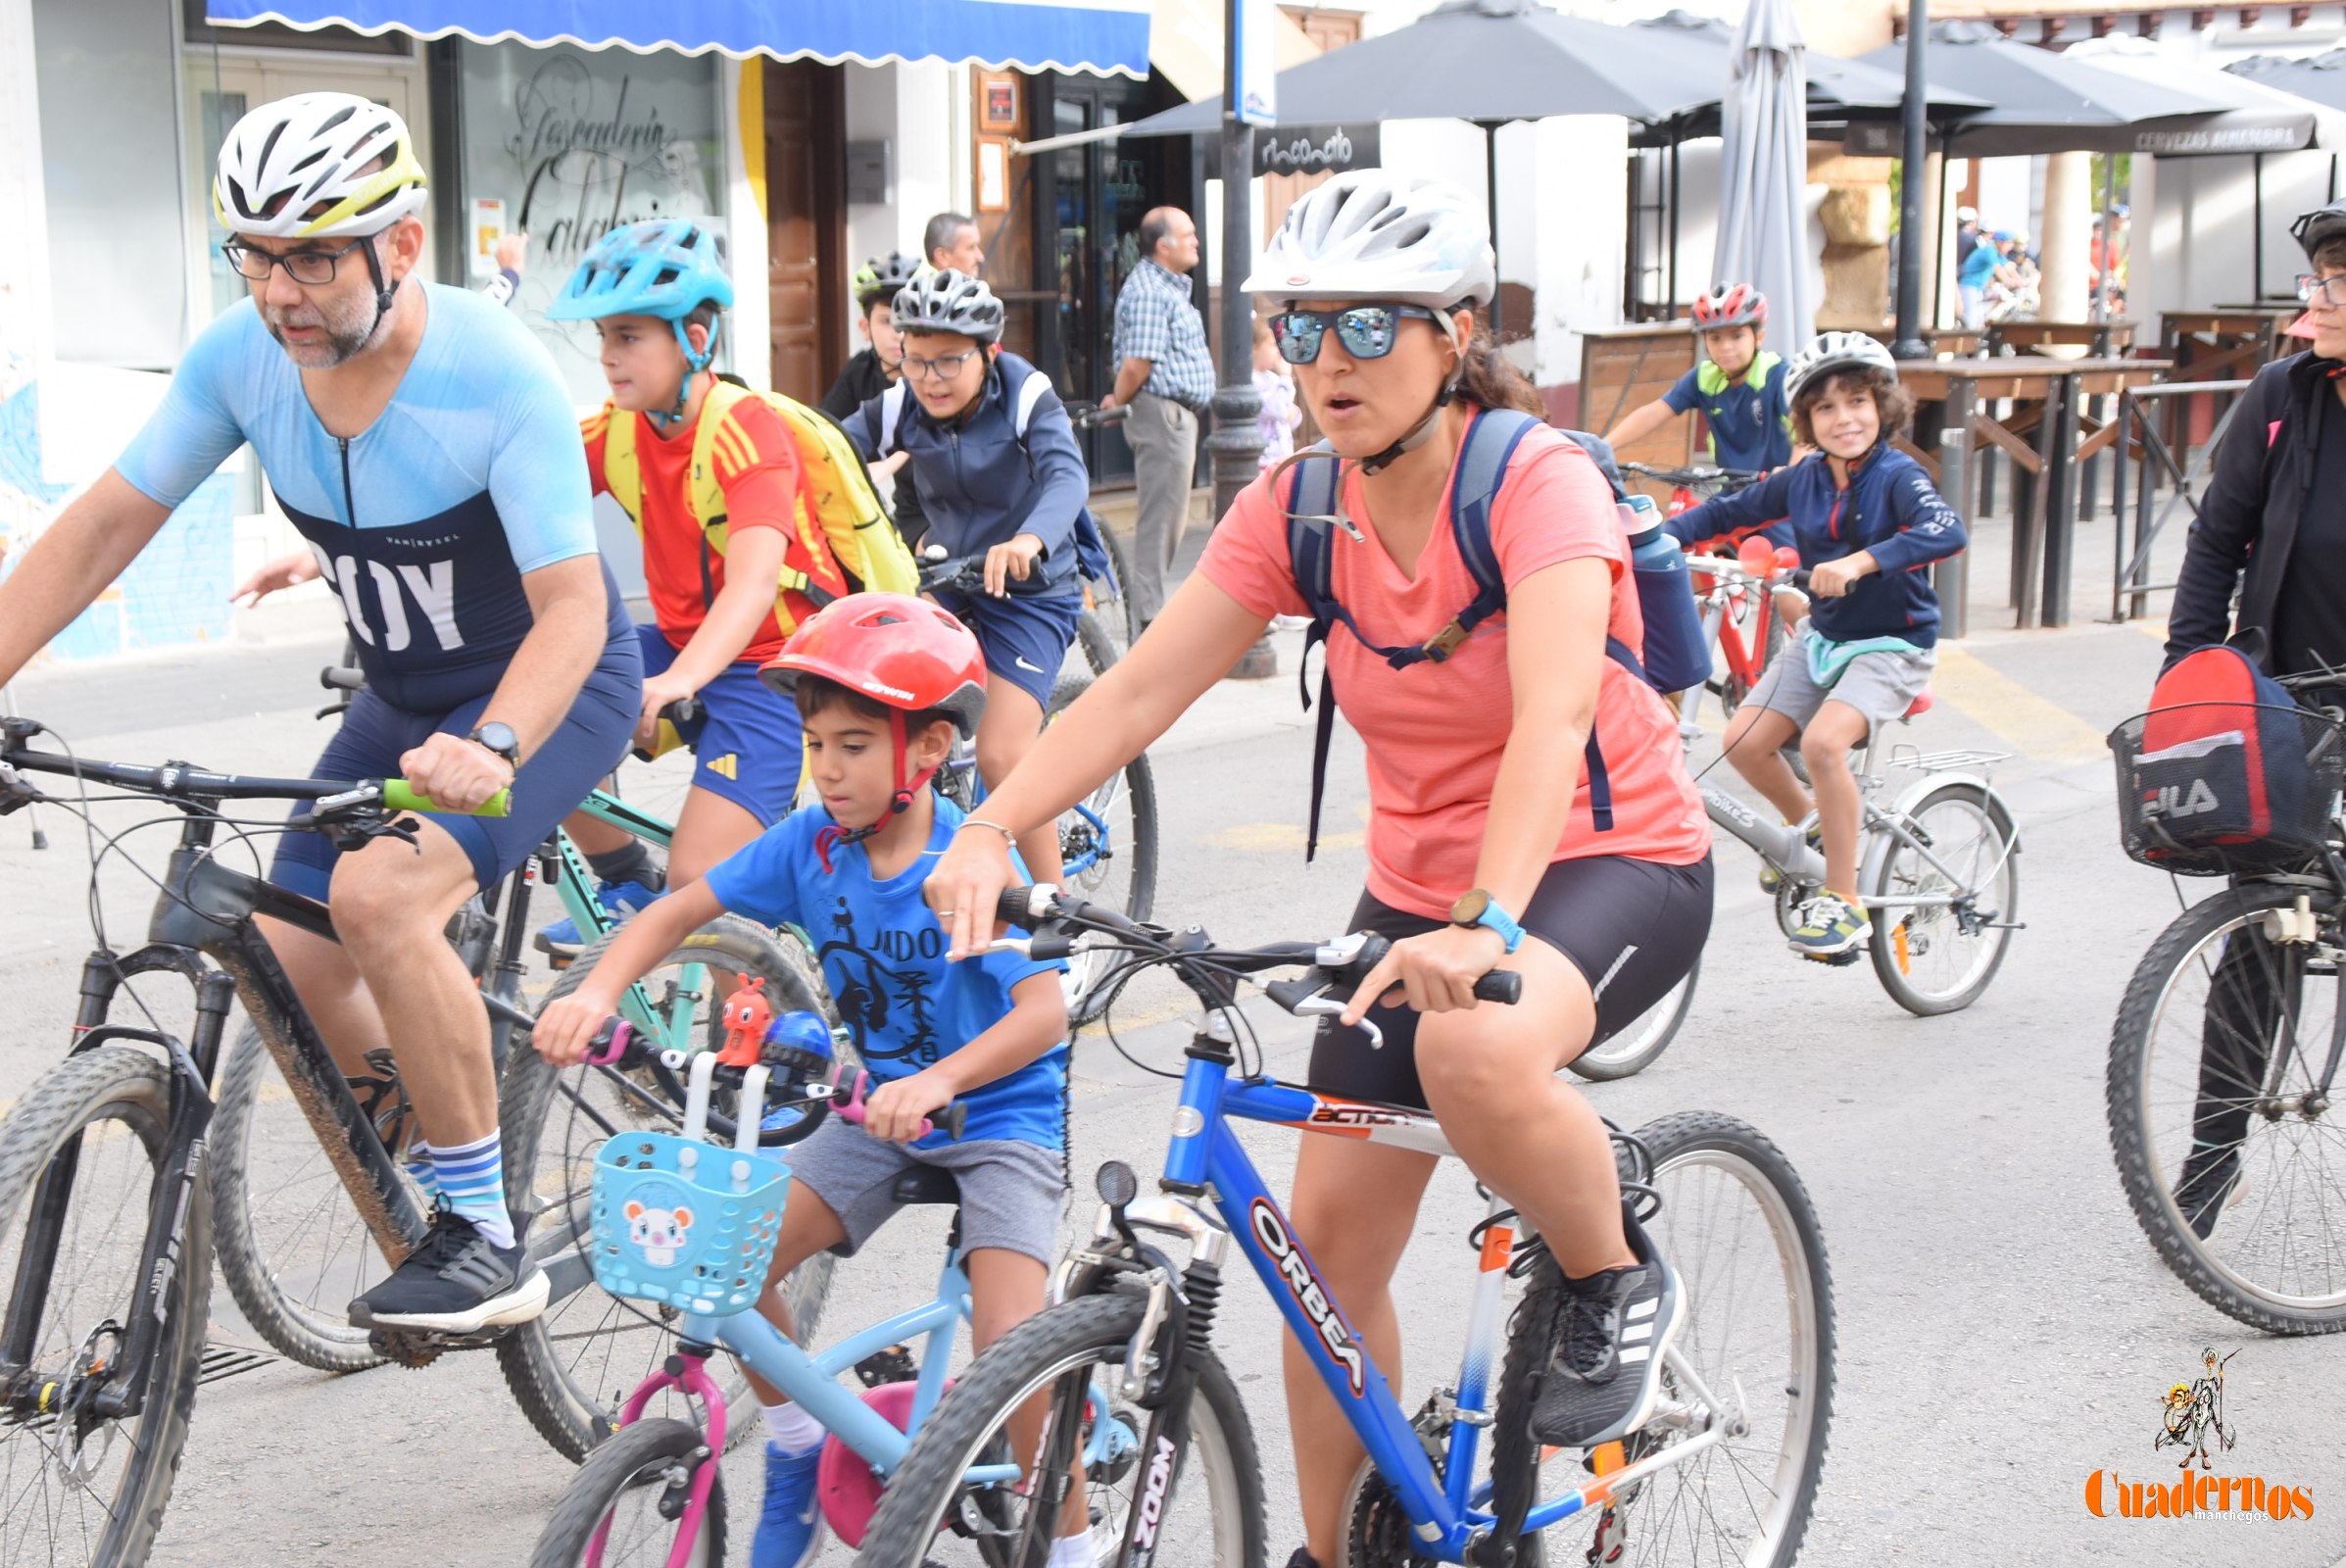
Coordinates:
(1675, 655)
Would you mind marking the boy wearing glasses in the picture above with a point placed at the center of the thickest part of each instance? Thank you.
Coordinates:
(999, 474)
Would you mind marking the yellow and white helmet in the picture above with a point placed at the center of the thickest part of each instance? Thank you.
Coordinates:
(318, 164)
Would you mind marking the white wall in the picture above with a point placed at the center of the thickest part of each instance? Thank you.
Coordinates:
(922, 112)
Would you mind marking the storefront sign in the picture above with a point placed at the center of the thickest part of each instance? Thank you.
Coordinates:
(574, 144)
(1315, 149)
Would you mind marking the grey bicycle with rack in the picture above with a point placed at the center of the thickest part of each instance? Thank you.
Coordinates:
(1938, 861)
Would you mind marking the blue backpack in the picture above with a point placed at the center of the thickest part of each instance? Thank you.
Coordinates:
(1311, 504)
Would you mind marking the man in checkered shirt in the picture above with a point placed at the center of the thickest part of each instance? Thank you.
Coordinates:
(1167, 377)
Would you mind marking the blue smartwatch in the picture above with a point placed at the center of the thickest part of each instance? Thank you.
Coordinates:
(1477, 908)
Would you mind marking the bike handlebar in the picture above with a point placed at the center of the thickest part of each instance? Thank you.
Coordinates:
(844, 1089)
(182, 781)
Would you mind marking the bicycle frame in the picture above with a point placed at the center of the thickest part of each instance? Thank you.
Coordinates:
(1446, 1515)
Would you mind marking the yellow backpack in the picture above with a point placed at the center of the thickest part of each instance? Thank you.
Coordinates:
(839, 516)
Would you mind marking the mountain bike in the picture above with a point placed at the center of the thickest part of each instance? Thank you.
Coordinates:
(1938, 866)
(1726, 1469)
(2226, 1056)
(682, 1219)
(106, 1180)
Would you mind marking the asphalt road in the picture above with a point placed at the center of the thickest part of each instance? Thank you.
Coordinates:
(2005, 1331)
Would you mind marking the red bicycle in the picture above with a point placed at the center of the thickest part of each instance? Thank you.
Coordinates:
(1742, 614)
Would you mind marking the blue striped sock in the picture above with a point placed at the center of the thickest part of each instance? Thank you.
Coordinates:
(473, 1184)
(418, 1162)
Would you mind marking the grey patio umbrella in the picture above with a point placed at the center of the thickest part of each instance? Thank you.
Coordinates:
(1764, 169)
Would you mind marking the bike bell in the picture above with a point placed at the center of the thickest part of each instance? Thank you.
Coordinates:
(798, 1043)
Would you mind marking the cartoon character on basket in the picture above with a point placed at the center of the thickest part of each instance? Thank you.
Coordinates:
(658, 1232)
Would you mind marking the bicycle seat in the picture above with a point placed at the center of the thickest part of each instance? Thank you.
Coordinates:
(926, 1184)
(1920, 705)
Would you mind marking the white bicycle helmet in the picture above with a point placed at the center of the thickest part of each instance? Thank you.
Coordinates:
(1371, 234)
(1829, 352)
(304, 167)
(948, 302)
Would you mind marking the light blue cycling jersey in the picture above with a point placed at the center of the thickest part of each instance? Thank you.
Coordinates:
(472, 475)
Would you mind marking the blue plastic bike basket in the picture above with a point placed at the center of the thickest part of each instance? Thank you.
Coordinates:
(688, 1224)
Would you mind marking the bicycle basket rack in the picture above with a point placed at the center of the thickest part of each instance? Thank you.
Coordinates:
(687, 1223)
(1955, 762)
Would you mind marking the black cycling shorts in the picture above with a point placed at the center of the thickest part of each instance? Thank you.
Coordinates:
(1632, 927)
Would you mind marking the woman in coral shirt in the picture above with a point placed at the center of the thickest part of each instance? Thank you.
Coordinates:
(1477, 860)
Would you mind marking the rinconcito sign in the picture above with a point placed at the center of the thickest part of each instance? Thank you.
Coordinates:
(1315, 149)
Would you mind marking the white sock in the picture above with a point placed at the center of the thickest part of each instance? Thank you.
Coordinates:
(791, 1429)
(1073, 1551)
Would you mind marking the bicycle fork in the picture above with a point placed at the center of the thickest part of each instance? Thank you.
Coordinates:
(686, 1370)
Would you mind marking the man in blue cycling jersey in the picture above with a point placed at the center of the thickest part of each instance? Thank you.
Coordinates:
(422, 442)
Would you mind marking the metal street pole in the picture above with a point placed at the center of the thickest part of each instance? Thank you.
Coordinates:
(1237, 439)
(1909, 344)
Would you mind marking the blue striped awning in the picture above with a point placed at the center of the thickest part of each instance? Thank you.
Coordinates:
(1103, 37)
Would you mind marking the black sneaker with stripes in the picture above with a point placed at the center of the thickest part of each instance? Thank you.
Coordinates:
(1606, 1372)
(458, 1282)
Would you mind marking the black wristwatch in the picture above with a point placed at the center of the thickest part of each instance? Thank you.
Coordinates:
(499, 738)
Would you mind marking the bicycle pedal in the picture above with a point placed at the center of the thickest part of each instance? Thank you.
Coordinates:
(894, 1364)
(1836, 960)
(413, 1350)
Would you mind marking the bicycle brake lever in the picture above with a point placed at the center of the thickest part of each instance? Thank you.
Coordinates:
(1334, 1007)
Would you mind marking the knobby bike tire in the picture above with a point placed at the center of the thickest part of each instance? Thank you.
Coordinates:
(1515, 1456)
(535, 1365)
(113, 1083)
(1100, 646)
(1886, 922)
(1045, 1347)
(315, 1333)
(608, 1474)
(2130, 1135)
(1644, 1038)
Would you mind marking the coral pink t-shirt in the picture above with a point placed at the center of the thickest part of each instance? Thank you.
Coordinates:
(1435, 733)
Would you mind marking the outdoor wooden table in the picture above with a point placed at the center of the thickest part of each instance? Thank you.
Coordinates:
(1945, 342)
(2051, 396)
(2225, 343)
(2100, 339)
(1626, 368)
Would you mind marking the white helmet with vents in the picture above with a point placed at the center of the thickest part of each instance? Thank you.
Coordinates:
(1829, 352)
(1371, 234)
(317, 166)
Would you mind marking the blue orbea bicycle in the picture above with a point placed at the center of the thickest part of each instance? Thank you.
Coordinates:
(1726, 1470)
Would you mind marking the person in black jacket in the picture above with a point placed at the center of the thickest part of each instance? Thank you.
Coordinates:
(2272, 525)
(2276, 506)
(872, 372)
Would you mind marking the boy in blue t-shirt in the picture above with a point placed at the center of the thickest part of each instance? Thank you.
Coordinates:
(882, 682)
(1739, 387)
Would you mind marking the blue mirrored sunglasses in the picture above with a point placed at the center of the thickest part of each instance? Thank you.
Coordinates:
(1367, 331)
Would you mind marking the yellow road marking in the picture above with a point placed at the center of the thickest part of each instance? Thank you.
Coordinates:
(2040, 730)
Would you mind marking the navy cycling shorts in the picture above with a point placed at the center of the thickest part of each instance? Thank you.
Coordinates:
(1025, 638)
(559, 774)
(748, 750)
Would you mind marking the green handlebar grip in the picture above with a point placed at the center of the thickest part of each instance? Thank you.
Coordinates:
(400, 796)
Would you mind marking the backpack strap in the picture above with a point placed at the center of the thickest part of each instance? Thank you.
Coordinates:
(892, 413)
(622, 470)
(1311, 500)
(1030, 393)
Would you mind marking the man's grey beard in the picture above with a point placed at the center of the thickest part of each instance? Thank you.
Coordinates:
(348, 334)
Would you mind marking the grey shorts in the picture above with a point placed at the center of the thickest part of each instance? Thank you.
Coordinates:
(1011, 1190)
(1881, 686)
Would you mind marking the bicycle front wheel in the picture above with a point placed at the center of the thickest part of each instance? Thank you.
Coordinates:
(1737, 1225)
(572, 1368)
(1046, 1388)
(1940, 957)
(1633, 1047)
(623, 1508)
(80, 1165)
(2219, 1096)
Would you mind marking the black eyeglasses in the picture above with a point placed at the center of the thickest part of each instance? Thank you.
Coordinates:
(2329, 291)
(1367, 331)
(309, 268)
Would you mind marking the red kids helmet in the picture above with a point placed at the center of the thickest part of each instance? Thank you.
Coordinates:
(1736, 305)
(899, 651)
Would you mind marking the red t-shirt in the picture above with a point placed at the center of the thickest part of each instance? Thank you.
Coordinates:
(1435, 733)
(757, 466)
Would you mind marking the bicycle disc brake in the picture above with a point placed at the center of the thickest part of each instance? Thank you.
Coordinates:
(79, 1459)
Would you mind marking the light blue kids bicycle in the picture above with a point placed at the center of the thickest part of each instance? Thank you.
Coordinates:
(688, 1225)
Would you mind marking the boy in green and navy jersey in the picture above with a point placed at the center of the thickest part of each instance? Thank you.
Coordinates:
(1739, 387)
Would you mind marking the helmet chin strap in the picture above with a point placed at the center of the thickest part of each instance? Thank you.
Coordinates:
(1418, 434)
(907, 790)
(387, 294)
(694, 365)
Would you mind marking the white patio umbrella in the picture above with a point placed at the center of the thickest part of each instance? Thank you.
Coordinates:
(1763, 172)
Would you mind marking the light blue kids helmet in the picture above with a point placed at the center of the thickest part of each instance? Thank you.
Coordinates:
(662, 267)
